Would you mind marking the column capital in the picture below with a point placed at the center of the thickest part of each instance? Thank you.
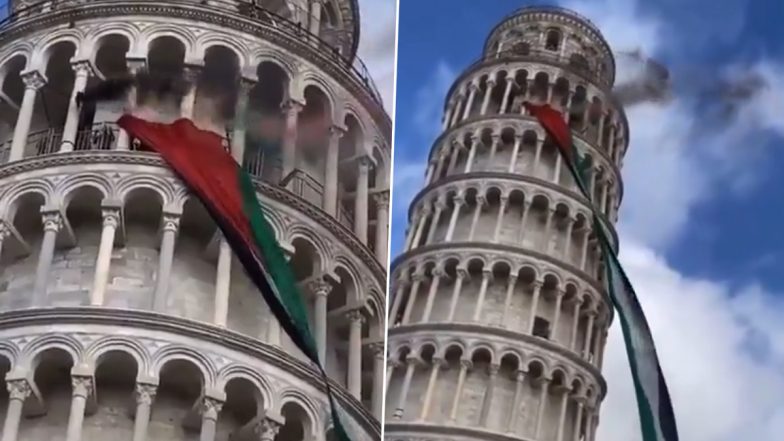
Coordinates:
(33, 79)
(145, 393)
(82, 67)
(318, 287)
(364, 163)
(355, 316)
(493, 369)
(170, 221)
(210, 408)
(466, 363)
(459, 199)
(413, 360)
(246, 83)
(438, 271)
(192, 69)
(487, 273)
(336, 131)
(520, 375)
(381, 198)
(81, 386)
(52, 220)
(439, 362)
(377, 348)
(135, 62)
(290, 106)
(481, 200)
(111, 216)
(440, 204)
(5, 231)
(418, 276)
(462, 273)
(267, 428)
(18, 389)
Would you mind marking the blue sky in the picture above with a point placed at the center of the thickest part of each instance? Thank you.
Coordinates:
(700, 229)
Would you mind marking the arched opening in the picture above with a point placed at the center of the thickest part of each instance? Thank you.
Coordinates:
(52, 377)
(217, 87)
(312, 143)
(553, 40)
(142, 209)
(5, 367)
(175, 411)
(242, 406)
(115, 379)
(350, 147)
(297, 426)
(165, 64)
(13, 87)
(265, 122)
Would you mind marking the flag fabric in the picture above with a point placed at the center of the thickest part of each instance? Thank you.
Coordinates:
(657, 418)
(226, 191)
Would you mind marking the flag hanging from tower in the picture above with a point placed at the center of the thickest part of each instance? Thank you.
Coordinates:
(227, 192)
(657, 418)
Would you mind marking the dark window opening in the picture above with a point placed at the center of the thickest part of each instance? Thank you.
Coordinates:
(553, 42)
(541, 328)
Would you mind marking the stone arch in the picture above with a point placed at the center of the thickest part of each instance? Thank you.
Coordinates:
(43, 49)
(10, 80)
(453, 345)
(349, 270)
(10, 352)
(279, 59)
(160, 30)
(66, 343)
(309, 257)
(109, 54)
(71, 186)
(429, 344)
(315, 79)
(156, 184)
(133, 348)
(481, 350)
(209, 40)
(127, 30)
(294, 405)
(188, 355)
(40, 187)
(234, 371)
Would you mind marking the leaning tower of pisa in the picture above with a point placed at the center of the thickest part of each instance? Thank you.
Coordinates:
(500, 317)
(123, 314)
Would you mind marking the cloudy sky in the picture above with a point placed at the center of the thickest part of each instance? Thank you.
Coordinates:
(701, 220)
(377, 45)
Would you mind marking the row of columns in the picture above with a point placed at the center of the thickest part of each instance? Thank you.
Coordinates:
(416, 235)
(82, 388)
(53, 222)
(603, 191)
(459, 110)
(34, 80)
(584, 417)
(590, 348)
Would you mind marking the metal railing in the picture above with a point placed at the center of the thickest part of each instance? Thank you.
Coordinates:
(352, 65)
(584, 71)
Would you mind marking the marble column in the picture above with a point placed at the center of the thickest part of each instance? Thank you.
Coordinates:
(111, 219)
(465, 365)
(361, 200)
(355, 353)
(454, 155)
(187, 106)
(431, 387)
(291, 109)
(489, 85)
(534, 306)
(18, 391)
(480, 300)
(471, 154)
(586, 349)
(518, 395)
(382, 226)
(331, 171)
(417, 281)
(458, 203)
(508, 299)
(537, 155)
(499, 222)
(495, 139)
(5, 233)
(411, 363)
(515, 154)
(576, 314)
(33, 80)
(524, 220)
(320, 289)
(472, 89)
(397, 301)
(81, 388)
(314, 20)
(82, 70)
(543, 395)
(267, 429)
(578, 420)
(134, 65)
(440, 206)
(377, 399)
(240, 115)
(169, 225)
(507, 92)
(487, 400)
(52, 222)
(462, 273)
(420, 221)
(456, 111)
(480, 202)
(145, 395)
(570, 221)
(562, 414)
(222, 283)
(210, 408)
(431, 294)
(559, 295)
(557, 171)
(584, 250)
(547, 238)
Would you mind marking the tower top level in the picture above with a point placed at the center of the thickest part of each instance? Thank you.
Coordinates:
(337, 20)
(557, 36)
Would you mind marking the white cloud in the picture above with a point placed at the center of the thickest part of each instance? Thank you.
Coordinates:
(378, 23)
(722, 350)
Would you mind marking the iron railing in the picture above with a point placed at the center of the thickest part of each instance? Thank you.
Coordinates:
(351, 64)
(584, 70)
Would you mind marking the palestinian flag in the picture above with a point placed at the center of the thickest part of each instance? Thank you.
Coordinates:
(211, 174)
(657, 419)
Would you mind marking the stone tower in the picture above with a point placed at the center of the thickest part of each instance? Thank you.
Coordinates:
(499, 317)
(123, 314)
